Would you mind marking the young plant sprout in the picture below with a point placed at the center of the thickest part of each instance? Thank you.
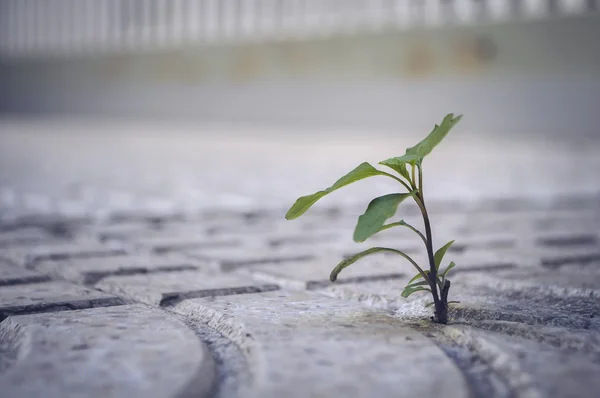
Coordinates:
(409, 168)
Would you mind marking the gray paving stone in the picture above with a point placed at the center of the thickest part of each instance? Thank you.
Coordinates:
(532, 368)
(296, 239)
(13, 275)
(51, 296)
(314, 273)
(555, 257)
(302, 344)
(162, 289)
(91, 270)
(125, 351)
(228, 259)
(120, 230)
(569, 279)
(143, 231)
(169, 244)
(28, 256)
(23, 236)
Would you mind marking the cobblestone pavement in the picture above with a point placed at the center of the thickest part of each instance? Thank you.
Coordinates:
(139, 272)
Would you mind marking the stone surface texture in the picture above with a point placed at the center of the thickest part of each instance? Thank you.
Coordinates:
(106, 351)
(149, 265)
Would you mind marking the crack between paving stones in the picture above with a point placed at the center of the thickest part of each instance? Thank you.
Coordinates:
(231, 365)
(174, 298)
(25, 280)
(581, 260)
(228, 266)
(91, 278)
(71, 305)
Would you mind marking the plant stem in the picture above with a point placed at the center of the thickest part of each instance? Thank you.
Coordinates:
(441, 306)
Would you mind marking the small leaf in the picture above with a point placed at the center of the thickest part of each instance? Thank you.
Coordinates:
(379, 210)
(364, 170)
(415, 154)
(399, 163)
(408, 291)
(351, 260)
(417, 277)
(453, 302)
(424, 283)
(439, 255)
(429, 304)
(450, 266)
(436, 136)
(398, 166)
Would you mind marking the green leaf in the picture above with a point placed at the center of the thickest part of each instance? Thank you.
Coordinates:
(364, 170)
(429, 304)
(453, 302)
(399, 163)
(439, 255)
(351, 260)
(417, 277)
(424, 283)
(436, 136)
(408, 291)
(450, 266)
(416, 153)
(379, 210)
(398, 167)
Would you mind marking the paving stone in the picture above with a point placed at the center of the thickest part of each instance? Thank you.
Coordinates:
(121, 230)
(23, 236)
(169, 244)
(228, 259)
(302, 344)
(13, 275)
(269, 226)
(281, 240)
(567, 239)
(555, 257)
(29, 256)
(532, 368)
(141, 232)
(162, 289)
(51, 296)
(314, 273)
(91, 270)
(584, 279)
(125, 351)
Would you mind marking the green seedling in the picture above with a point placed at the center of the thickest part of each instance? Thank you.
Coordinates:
(409, 169)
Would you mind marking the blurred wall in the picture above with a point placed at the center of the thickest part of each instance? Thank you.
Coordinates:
(512, 75)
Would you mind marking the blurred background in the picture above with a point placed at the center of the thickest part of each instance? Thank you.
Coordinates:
(175, 104)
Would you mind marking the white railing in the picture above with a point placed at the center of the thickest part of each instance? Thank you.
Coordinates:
(65, 27)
